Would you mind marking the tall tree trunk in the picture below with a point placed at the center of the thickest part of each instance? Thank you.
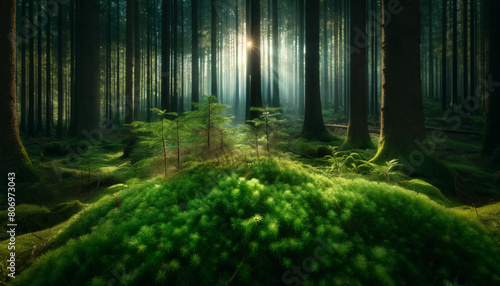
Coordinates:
(431, 53)
(213, 45)
(60, 74)
(48, 83)
(31, 87)
(402, 125)
(357, 132)
(195, 85)
(276, 75)
(137, 63)
(12, 152)
(465, 30)
(248, 97)
(74, 99)
(148, 62)
(301, 36)
(314, 127)
(39, 126)
(174, 104)
(492, 136)
(454, 84)
(237, 84)
(444, 56)
(165, 56)
(473, 41)
(255, 59)
(23, 73)
(117, 110)
(130, 62)
(88, 78)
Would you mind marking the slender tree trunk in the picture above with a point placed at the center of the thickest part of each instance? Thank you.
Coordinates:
(60, 75)
(31, 87)
(48, 83)
(402, 126)
(74, 99)
(492, 136)
(465, 30)
(88, 67)
(39, 126)
(195, 85)
(165, 53)
(276, 56)
(255, 59)
(302, 37)
(444, 56)
(431, 53)
(237, 80)
(473, 41)
(23, 73)
(454, 84)
(213, 46)
(117, 110)
(137, 59)
(357, 132)
(12, 153)
(175, 99)
(249, 58)
(314, 127)
(130, 62)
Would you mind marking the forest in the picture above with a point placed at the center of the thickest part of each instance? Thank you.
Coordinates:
(250, 142)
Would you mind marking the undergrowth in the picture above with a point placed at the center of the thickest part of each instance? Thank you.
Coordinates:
(259, 223)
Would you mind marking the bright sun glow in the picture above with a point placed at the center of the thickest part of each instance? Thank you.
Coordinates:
(249, 44)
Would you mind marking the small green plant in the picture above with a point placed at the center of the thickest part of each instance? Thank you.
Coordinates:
(268, 124)
(388, 167)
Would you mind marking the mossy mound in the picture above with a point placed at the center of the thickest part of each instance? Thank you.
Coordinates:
(427, 189)
(31, 218)
(268, 222)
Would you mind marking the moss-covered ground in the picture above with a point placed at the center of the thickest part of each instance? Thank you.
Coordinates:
(309, 214)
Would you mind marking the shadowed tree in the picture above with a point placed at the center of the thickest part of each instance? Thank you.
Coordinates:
(492, 135)
(402, 133)
(195, 96)
(87, 67)
(165, 64)
(255, 59)
(214, 43)
(276, 79)
(12, 153)
(357, 132)
(314, 126)
(129, 59)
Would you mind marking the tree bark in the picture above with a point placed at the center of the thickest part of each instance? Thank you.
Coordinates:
(88, 78)
(195, 85)
(12, 152)
(314, 127)
(130, 63)
(276, 75)
(357, 133)
(60, 74)
(444, 56)
(492, 135)
(48, 83)
(213, 45)
(137, 59)
(402, 121)
(255, 59)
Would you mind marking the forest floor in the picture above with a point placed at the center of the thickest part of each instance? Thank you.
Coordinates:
(75, 177)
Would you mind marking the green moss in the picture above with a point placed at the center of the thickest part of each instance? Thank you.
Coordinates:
(303, 146)
(32, 218)
(323, 151)
(427, 189)
(54, 149)
(257, 219)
